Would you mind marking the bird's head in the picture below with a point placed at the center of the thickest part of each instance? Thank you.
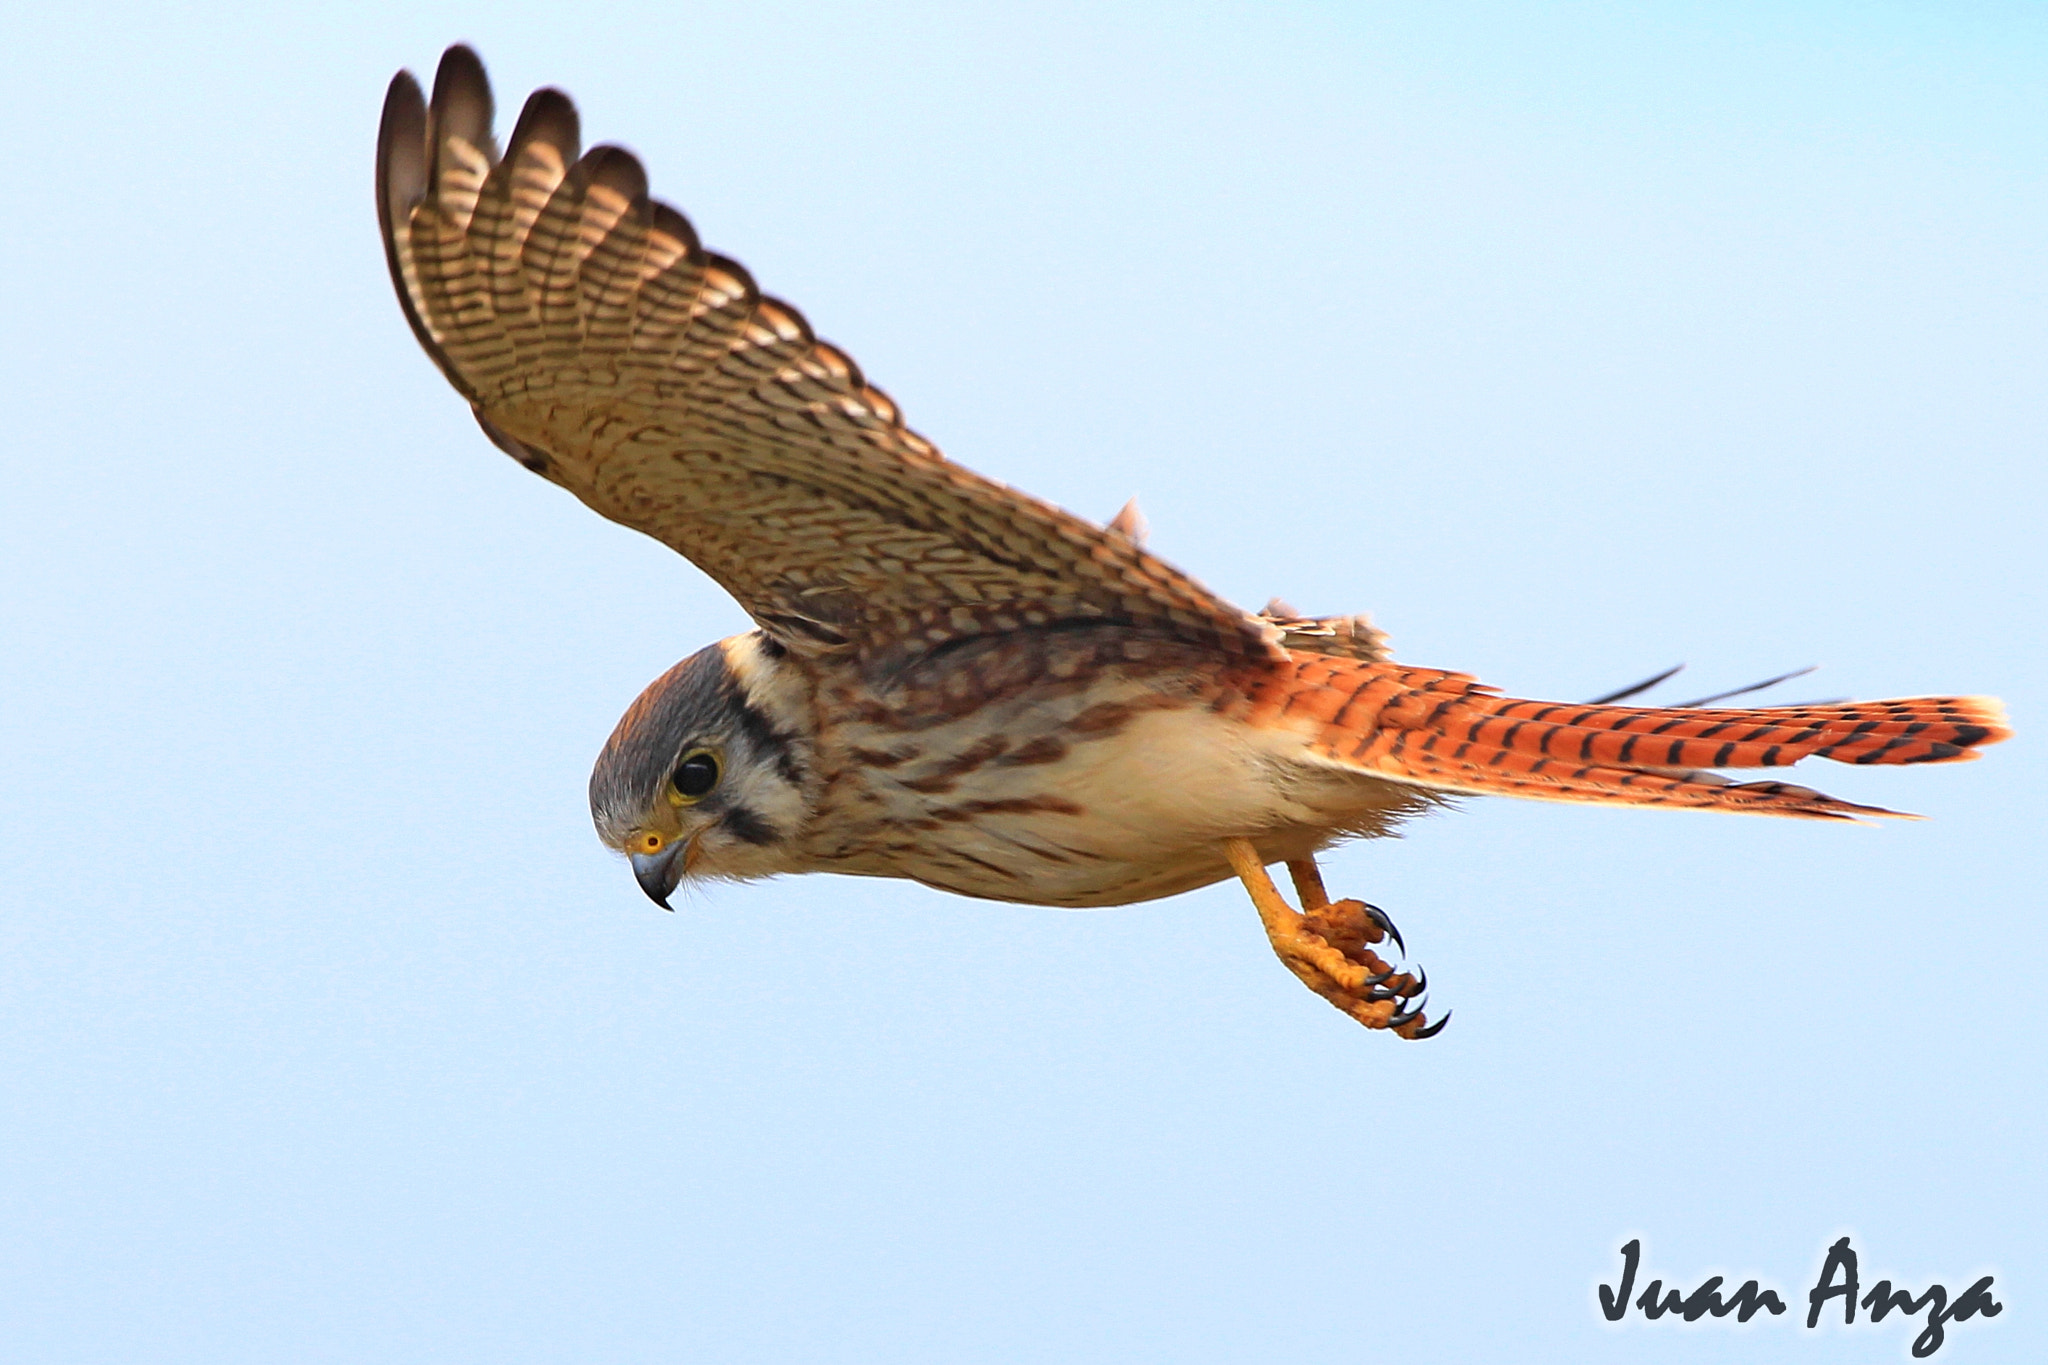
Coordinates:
(709, 772)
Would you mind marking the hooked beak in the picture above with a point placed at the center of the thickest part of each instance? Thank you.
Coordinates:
(658, 873)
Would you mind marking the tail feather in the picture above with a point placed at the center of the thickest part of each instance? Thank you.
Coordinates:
(1451, 732)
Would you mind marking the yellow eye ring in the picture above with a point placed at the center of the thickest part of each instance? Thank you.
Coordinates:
(694, 777)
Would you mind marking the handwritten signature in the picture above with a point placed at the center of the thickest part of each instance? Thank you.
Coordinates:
(1838, 1279)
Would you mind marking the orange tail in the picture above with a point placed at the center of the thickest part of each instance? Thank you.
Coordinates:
(1449, 731)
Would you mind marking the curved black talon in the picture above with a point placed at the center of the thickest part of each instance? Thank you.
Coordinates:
(1386, 926)
(1433, 1030)
(1421, 986)
(1379, 995)
(1405, 1017)
(1378, 977)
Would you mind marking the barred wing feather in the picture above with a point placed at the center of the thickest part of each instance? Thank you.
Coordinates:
(601, 345)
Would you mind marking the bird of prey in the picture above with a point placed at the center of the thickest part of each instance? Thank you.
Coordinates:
(951, 681)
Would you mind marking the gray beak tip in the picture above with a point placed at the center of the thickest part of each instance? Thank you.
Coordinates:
(658, 873)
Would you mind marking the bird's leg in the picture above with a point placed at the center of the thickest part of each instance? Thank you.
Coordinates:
(1327, 946)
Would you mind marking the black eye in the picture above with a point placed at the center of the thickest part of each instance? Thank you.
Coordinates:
(696, 775)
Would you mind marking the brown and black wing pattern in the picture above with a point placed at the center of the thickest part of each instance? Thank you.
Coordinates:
(600, 344)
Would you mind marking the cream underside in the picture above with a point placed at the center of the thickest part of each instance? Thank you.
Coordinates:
(1158, 797)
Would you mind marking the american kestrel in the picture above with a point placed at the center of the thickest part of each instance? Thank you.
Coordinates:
(952, 681)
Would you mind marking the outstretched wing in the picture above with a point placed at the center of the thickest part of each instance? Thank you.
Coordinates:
(603, 347)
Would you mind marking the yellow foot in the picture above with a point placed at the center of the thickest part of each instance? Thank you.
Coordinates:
(1327, 946)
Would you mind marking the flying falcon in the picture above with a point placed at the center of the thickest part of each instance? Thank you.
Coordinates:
(951, 681)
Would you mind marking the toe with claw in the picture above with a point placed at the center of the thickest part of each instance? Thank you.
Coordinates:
(1328, 944)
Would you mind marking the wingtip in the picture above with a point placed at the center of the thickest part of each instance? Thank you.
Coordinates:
(403, 82)
(548, 118)
(462, 105)
(405, 177)
(617, 170)
(401, 148)
(460, 67)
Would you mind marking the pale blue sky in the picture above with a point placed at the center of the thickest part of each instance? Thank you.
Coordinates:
(1569, 341)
